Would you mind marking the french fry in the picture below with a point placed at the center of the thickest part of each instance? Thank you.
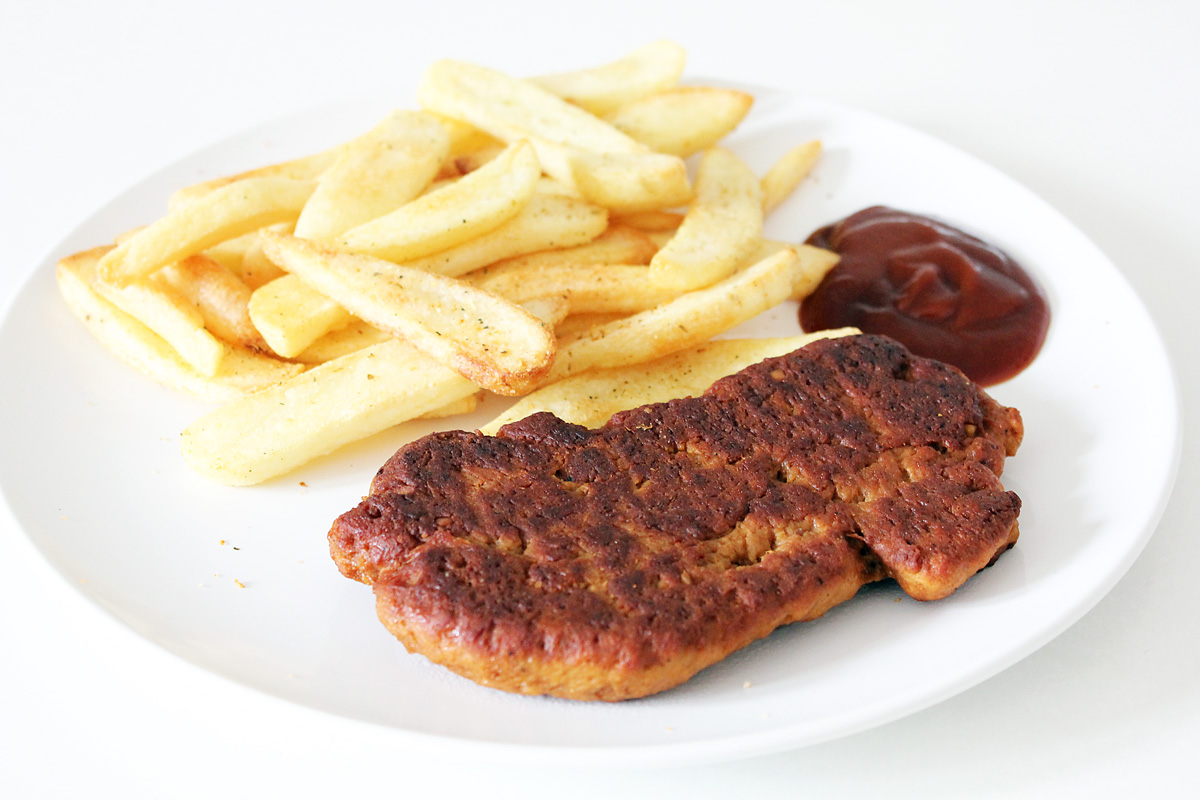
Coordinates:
(592, 397)
(291, 315)
(495, 343)
(601, 90)
(172, 318)
(375, 174)
(275, 430)
(547, 221)
(720, 228)
(619, 244)
(686, 321)
(454, 408)
(685, 120)
(576, 325)
(356, 335)
(288, 424)
(307, 168)
(589, 288)
(241, 371)
(654, 221)
(572, 145)
(469, 161)
(475, 204)
(220, 297)
(223, 213)
(629, 182)
(782, 178)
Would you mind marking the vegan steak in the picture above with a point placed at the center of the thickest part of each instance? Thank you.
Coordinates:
(616, 562)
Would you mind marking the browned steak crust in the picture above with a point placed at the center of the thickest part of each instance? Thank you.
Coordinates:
(617, 562)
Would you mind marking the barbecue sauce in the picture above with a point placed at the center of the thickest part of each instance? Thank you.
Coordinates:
(939, 291)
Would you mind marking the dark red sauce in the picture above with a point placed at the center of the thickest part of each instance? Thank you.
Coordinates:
(941, 292)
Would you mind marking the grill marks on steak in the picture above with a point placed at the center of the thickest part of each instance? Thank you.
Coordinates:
(617, 562)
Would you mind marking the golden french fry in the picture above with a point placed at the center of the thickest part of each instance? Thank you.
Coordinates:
(275, 430)
(454, 408)
(291, 315)
(241, 371)
(655, 221)
(469, 161)
(592, 397)
(258, 270)
(464, 137)
(550, 309)
(356, 335)
(475, 204)
(651, 68)
(169, 315)
(221, 298)
(589, 288)
(720, 228)
(223, 213)
(619, 244)
(511, 109)
(577, 325)
(307, 168)
(684, 120)
(495, 343)
(629, 182)
(688, 320)
(785, 175)
(375, 174)
(243, 257)
(572, 145)
(547, 221)
(341, 401)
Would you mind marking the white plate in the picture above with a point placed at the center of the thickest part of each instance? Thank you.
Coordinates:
(91, 471)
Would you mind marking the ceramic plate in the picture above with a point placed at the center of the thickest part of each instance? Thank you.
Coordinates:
(239, 581)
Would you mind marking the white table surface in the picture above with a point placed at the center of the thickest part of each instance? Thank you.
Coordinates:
(1093, 105)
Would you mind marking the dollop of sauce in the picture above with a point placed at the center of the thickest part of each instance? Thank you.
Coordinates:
(941, 292)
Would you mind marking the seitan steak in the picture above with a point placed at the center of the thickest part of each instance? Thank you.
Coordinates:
(616, 562)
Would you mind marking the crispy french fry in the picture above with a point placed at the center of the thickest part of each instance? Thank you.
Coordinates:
(466, 138)
(572, 145)
(720, 229)
(454, 408)
(291, 315)
(307, 168)
(357, 335)
(493, 342)
(684, 120)
(600, 90)
(220, 297)
(550, 309)
(169, 315)
(273, 431)
(629, 182)
(592, 397)
(223, 213)
(375, 174)
(654, 221)
(619, 244)
(577, 325)
(475, 204)
(241, 371)
(785, 175)
(547, 221)
(589, 288)
(686, 321)
(469, 161)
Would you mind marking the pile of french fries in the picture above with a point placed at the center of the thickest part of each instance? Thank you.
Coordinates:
(539, 237)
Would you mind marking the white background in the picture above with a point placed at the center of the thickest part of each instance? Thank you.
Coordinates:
(1093, 105)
